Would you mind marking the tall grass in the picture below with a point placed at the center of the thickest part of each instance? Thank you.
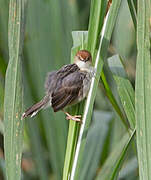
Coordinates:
(143, 89)
(116, 110)
(13, 103)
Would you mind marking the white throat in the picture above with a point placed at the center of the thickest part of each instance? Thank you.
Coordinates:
(84, 66)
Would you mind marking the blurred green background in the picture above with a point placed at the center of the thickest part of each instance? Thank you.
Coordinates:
(47, 47)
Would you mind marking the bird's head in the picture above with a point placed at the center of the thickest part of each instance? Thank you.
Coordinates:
(83, 59)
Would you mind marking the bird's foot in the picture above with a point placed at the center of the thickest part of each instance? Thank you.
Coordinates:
(74, 118)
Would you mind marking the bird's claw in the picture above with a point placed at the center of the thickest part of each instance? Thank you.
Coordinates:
(74, 118)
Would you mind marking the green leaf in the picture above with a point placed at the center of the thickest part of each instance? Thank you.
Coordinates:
(123, 40)
(129, 171)
(116, 66)
(4, 6)
(143, 90)
(104, 42)
(2, 66)
(79, 40)
(111, 168)
(124, 88)
(97, 14)
(133, 7)
(127, 95)
(112, 97)
(13, 132)
(94, 144)
(1, 99)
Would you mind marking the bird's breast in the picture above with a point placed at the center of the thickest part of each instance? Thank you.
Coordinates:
(86, 86)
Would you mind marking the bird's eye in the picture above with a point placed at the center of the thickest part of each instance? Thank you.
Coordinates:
(88, 58)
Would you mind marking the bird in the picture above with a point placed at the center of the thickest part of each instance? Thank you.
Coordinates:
(67, 86)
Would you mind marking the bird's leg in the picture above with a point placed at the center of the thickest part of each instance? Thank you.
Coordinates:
(74, 118)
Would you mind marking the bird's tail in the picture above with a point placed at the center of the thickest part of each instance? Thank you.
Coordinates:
(33, 110)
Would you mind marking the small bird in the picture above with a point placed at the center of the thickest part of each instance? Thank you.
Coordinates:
(67, 86)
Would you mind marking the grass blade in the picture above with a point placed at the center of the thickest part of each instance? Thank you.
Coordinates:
(4, 6)
(97, 14)
(13, 133)
(124, 88)
(127, 95)
(143, 90)
(105, 39)
(132, 6)
(116, 66)
(94, 144)
(112, 99)
(79, 41)
(2, 66)
(107, 79)
(130, 170)
(1, 99)
(113, 163)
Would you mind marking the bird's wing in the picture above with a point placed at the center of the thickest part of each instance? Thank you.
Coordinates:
(69, 90)
(49, 82)
(54, 77)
